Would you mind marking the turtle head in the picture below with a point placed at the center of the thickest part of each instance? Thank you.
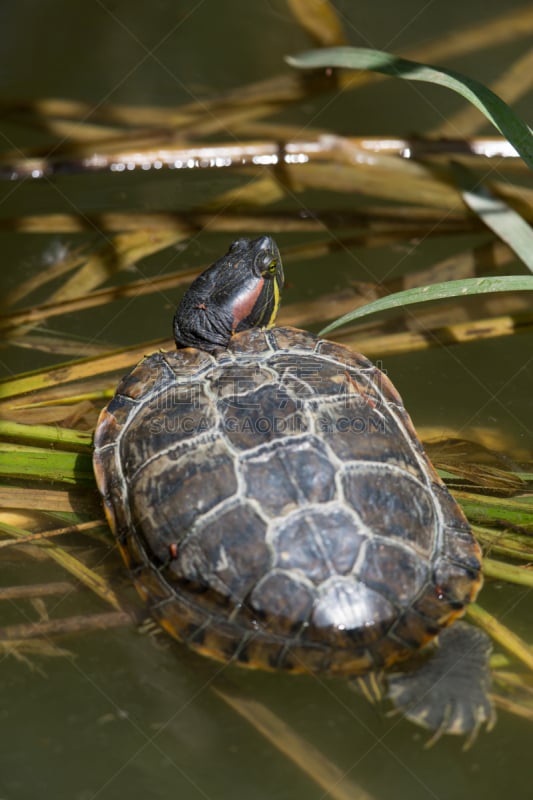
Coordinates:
(239, 291)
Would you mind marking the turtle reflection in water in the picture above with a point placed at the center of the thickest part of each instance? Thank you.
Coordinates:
(276, 508)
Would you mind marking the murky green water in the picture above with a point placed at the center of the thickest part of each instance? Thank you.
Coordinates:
(128, 715)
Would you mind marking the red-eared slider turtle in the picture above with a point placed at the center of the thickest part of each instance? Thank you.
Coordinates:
(276, 508)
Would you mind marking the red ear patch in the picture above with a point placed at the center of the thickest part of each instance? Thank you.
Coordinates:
(244, 304)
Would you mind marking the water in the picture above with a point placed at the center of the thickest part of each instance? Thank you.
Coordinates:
(130, 715)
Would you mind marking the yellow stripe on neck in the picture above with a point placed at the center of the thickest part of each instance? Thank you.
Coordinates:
(275, 310)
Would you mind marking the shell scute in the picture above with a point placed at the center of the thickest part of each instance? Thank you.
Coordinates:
(186, 362)
(349, 611)
(228, 557)
(177, 414)
(393, 505)
(149, 373)
(254, 340)
(283, 602)
(234, 380)
(357, 430)
(118, 410)
(344, 355)
(318, 542)
(456, 582)
(165, 520)
(394, 571)
(261, 416)
(293, 339)
(287, 475)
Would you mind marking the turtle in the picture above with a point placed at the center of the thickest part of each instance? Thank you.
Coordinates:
(276, 508)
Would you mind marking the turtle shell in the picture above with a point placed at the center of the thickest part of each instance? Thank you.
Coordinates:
(276, 507)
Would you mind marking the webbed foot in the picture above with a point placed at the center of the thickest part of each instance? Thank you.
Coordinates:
(449, 691)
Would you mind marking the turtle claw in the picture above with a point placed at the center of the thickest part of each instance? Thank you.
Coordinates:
(448, 692)
(371, 686)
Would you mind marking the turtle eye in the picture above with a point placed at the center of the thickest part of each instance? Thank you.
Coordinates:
(271, 268)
